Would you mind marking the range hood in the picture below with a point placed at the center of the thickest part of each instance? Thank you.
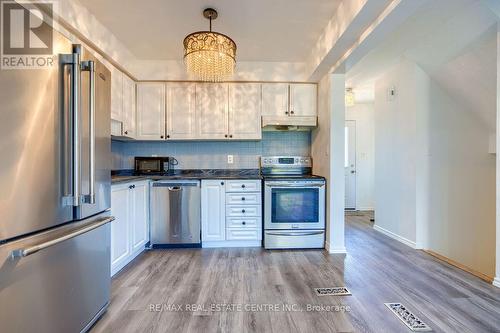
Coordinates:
(296, 123)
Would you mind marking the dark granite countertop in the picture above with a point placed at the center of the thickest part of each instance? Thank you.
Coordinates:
(124, 176)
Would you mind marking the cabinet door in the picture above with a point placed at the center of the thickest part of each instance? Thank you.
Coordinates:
(212, 109)
(129, 107)
(275, 99)
(120, 233)
(150, 111)
(302, 100)
(245, 111)
(116, 94)
(213, 214)
(181, 115)
(139, 216)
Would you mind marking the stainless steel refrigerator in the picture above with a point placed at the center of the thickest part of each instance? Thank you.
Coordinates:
(55, 193)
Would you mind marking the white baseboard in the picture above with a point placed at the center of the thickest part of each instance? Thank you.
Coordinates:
(496, 282)
(215, 244)
(395, 236)
(335, 250)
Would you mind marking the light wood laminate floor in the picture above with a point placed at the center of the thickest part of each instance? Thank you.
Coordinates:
(376, 269)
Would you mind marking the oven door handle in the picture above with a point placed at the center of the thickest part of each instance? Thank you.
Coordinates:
(309, 233)
(295, 185)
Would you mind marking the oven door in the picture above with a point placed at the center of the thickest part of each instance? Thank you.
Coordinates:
(294, 205)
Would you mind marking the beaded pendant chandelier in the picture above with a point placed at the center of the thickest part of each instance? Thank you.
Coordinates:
(208, 55)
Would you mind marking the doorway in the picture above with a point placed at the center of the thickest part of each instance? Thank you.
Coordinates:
(350, 165)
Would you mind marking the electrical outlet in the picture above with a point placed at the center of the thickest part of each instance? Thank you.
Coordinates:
(230, 159)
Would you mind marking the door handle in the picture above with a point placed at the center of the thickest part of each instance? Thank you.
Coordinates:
(89, 66)
(73, 60)
(295, 233)
(24, 252)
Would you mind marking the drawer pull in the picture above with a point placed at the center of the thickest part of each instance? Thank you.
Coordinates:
(242, 198)
(243, 211)
(243, 223)
(243, 185)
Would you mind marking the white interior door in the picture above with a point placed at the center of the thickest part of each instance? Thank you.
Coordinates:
(350, 164)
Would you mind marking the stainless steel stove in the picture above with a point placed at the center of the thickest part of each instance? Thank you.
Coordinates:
(294, 203)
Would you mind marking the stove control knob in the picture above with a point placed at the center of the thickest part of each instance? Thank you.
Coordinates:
(302, 160)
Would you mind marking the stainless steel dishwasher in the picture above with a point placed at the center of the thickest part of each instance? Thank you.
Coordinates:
(175, 213)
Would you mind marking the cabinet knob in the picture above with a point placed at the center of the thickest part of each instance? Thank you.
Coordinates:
(242, 210)
(161, 136)
(243, 198)
(286, 112)
(291, 112)
(222, 183)
(131, 186)
(230, 135)
(243, 185)
(126, 132)
(168, 136)
(243, 223)
(225, 136)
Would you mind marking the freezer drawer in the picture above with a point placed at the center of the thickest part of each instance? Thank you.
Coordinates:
(61, 288)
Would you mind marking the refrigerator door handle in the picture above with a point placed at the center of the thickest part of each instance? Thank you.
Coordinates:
(73, 60)
(89, 66)
(24, 252)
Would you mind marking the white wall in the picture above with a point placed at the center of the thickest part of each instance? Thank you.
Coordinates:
(320, 141)
(396, 151)
(364, 116)
(327, 151)
(461, 196)
(434, 176)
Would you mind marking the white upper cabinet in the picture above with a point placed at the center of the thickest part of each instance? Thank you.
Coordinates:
(150, 111)
(244, 111)
(275, 99)
(129, 126)
(116, 94)
(212, 110)
(123, 103)
(181, 111)
(302, 100)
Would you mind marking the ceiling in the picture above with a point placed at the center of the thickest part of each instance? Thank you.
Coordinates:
(454, 42)
(277, 30)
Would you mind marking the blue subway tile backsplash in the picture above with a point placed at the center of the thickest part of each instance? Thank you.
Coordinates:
(213, 154)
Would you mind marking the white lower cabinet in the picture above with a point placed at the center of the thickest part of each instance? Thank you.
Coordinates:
(213, 212)
(130, 229)
(231, 213)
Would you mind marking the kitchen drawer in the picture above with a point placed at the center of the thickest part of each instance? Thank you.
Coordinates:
(241, 211)
(244, 222)
(243, 186)
(243, 234)
(243, 198)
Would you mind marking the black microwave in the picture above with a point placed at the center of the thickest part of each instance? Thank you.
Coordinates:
(158, 165)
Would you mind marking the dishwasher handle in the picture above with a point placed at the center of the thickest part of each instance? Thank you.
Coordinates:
(174, 189)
